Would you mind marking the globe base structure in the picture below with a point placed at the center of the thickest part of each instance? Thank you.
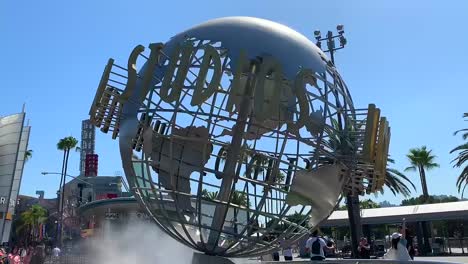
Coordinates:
(238, 135)
(200, 258)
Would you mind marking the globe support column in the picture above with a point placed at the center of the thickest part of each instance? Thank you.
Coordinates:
(354, 222)
(231, 161)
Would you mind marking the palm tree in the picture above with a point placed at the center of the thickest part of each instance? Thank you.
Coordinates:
(31, 221)
(461, 159)
(28, 155)
(465, 130)
(395, 182)
(240, 199)
(209, 195)
(422, 160)
(237, 198)
(65, 144)
(343, 142)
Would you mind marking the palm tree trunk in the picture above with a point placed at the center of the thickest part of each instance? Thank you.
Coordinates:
(354, 216)
(61, 175)
(63, 197)
(425, 190)
(235, 221)
(426, 248)
(426, 231)
(422, 176)
(59, 209)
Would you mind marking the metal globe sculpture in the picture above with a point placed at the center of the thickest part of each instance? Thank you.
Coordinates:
(237, 134)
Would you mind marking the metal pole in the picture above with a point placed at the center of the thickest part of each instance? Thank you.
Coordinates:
(231, 162)
(331, 46)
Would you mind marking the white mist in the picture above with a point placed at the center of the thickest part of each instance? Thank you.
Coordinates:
(137, 243)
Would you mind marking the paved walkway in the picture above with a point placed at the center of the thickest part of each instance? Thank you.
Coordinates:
(460, 259)
(463, 259)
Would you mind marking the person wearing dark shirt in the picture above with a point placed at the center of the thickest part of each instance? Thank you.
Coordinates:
(364, 249)
(410, 243)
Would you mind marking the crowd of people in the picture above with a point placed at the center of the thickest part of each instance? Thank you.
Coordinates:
(34, 254)
(319, 248)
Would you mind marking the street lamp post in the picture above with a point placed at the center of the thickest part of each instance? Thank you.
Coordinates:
(352, 200)
(330, 38)
(61, 202)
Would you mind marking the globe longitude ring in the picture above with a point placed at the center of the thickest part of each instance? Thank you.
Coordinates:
(239, 133)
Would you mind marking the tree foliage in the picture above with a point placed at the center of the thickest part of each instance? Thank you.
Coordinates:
(65, 144)
(432, 199)
(461, 160)
(238, 198)
(30, 223)
(397, 182)
(28, 155)
(363, 204)
(421, 159)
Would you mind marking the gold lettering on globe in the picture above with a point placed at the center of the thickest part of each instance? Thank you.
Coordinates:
(265, 100)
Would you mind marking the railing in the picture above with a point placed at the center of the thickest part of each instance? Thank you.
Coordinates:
(456, 245)
(69, 259)
(359, 261)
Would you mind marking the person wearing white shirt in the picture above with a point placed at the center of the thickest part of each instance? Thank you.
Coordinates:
(398, 251)
(287, 250)
(287, 253)
(315, 246)
(56, 254)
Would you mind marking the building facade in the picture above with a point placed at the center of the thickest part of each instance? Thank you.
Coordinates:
(88, 134)
(82, 190)
(14, 138)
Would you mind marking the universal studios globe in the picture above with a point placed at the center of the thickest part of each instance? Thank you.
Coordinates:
(226, 134)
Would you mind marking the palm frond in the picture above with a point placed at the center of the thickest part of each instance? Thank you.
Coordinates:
(28, 154)
(396, 182)
(461, 147)
(462, 178)
(462, 159)
(404, 177)
(432, 165)
(410, 168)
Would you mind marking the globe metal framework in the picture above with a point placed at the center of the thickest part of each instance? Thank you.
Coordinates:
(238, 134)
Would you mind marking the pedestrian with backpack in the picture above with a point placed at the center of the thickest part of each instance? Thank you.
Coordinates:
(315, 246)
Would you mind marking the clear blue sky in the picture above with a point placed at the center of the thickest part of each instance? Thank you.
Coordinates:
(408, 57)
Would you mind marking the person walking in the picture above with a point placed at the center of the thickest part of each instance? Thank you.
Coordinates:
(287, 249)
(38, 256)
(29, 253)
(398, 251)
(410, 243)
(315, 246)
(3, 256)
(287, 253)
(276, 256)
(364, 249)
(56, 254)
(14, 256)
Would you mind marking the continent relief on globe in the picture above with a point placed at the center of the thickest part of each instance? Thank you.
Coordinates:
(320, 188)
(175, 157)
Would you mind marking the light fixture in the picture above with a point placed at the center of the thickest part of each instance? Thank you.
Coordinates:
(317, 34)
(340, 29)
(343, 41)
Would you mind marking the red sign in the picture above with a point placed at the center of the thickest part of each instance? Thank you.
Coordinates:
(91, 165)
